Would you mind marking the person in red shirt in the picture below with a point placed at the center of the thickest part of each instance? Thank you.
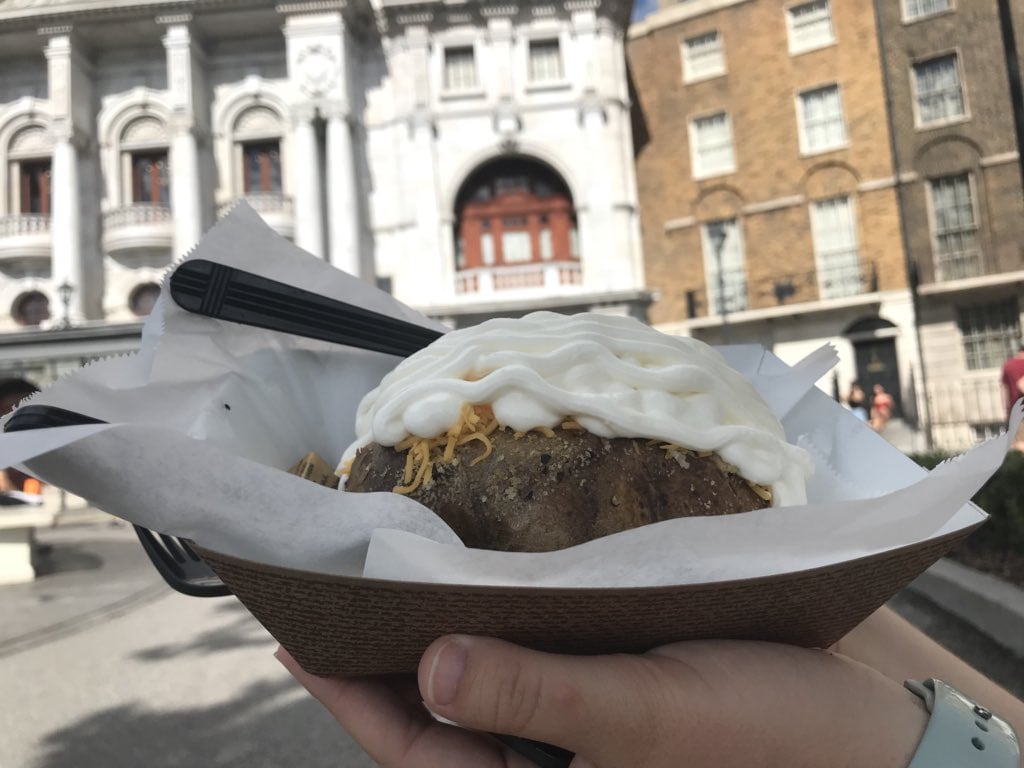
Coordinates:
(881, 408)
(1013, 387)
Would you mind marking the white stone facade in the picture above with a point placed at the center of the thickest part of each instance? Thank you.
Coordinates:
(127, 129)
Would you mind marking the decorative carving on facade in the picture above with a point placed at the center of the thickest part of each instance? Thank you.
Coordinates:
(144, 130)
(499, 9)
(29, 141)
(319, 70)
(258, 122)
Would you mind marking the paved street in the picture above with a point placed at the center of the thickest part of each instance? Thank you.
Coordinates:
(135, 675)
(102, 666)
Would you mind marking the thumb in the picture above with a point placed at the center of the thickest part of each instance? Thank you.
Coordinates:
(585, 704)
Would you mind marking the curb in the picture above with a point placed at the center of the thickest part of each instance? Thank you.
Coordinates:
(990, 605)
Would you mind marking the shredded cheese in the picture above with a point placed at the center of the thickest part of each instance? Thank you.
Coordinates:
(475, 424)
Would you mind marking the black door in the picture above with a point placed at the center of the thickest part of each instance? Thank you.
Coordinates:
(876, 364)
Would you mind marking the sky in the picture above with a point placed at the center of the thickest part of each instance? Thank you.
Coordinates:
(643, 7)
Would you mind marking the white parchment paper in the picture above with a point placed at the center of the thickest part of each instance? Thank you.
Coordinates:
(207, 417)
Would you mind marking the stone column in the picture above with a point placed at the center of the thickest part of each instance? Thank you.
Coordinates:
(70, 98)
(185, 90)
(342, 202)
(66, 223)
(305, 178)
(314, 36)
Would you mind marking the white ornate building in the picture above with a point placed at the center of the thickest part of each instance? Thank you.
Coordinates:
(474, 157)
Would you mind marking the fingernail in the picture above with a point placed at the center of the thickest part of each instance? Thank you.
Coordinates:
(279, 654)
(446, 672)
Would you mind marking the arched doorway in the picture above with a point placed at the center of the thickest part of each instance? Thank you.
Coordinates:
(511, 213)
(874, 350)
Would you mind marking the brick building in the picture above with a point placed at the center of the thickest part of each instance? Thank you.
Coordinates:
(770, 130)
(956, 150)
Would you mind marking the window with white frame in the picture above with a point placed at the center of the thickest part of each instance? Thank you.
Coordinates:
(810, 26)
(724, 267)
(703, 57)
(834, 232)
(29, 188)
(954, 227)
(990, 332)
(256, 138)
(938, 92)
(459, 68)
(915, 9)
(545, 61)
(711, 145)
(820, 117)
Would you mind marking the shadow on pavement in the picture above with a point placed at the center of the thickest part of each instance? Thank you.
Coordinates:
(49, 560)
(243, 632)
(270, 725)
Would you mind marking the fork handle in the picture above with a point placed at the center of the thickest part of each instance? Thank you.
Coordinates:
(226, 293)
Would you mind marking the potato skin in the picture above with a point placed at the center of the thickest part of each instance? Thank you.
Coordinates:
(536, 493)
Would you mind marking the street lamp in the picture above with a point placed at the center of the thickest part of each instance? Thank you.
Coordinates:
(717, 235)
(65, 290)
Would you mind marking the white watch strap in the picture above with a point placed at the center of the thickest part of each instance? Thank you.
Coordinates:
(960, 732)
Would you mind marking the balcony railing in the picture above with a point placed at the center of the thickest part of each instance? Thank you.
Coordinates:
(24, 224)
(25, 236)
(545, 277)
(261, 202)
(831, 282)
(134, 215)
(138, 227)
(965, 411)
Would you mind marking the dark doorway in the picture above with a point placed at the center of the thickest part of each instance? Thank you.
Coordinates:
(877, 364)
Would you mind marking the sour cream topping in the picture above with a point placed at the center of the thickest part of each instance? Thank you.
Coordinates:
(614, 376)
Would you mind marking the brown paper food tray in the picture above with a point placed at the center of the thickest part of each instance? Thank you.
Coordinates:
(352, 626)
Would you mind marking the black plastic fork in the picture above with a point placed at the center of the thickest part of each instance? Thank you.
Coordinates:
(226, 293)
(182, 569)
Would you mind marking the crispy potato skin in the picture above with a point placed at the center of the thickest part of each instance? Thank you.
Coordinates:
(536, 493)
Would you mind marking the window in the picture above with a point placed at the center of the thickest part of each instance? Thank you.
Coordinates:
(915, 9)
(31, 308)
(261, 165)
(834, 232)
(939, 96)
(730, 263)
(459, 69)
(35, 186)
(150, 178)
(954, 228)
(703, 57)
(820, 115)
(545, 61)
(810, 26)
(143, 299)
(991, 332)
(711, 146)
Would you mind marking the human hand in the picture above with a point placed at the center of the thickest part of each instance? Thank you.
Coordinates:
(707, 703)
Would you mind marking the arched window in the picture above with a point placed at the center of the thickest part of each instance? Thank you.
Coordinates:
(29, 156)
(514, 211)
(145, 167)
(257, 146)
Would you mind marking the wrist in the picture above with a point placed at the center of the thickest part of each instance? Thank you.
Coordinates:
(868, 721)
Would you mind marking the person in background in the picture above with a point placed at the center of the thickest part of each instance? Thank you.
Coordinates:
(12, 392)
(857, 401)
(1013, 387)
(881, 408)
